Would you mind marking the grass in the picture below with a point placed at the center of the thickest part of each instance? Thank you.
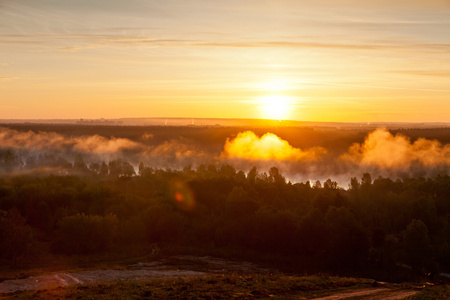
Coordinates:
(432, 293)
(215, 286)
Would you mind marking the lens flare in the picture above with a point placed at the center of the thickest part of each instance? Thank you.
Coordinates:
(179, 197)
(182, 194)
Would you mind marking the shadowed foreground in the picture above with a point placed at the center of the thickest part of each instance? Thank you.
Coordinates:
(188, 277)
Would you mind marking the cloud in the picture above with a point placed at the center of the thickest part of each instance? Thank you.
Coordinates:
(371, 86)
(19, 42)
(86, 40)
(428, 73)
(383, 150)
(269, 147)
(288, 44)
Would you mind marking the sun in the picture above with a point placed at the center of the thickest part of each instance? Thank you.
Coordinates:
(275, 107)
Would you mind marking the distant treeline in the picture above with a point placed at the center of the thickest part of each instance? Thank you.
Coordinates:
(103, 208)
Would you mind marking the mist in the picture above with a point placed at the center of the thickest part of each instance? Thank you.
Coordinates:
(269, 147)
(380, 153)
(386, 151)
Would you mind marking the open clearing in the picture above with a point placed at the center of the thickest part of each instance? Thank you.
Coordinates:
(174, 267)
(190, 267)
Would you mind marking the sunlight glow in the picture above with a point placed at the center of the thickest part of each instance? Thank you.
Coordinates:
(275, 107)
(247, 145)
(276, 85)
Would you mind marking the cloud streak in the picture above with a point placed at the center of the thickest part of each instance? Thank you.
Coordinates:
(372, 86)
(120, 40)
(8, 78)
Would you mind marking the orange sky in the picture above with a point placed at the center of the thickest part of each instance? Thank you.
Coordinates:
(361, 61)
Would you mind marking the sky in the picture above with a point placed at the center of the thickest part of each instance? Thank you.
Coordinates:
(321, 60)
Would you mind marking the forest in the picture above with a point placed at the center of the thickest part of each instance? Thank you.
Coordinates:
(52, 203)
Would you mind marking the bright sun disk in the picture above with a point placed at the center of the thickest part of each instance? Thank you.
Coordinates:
(275, 107)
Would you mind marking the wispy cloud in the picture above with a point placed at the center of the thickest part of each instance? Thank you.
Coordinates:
(18, 42)
(9, 78)
(373, 86)
(82, 41)
(427, 73)
(286, 44)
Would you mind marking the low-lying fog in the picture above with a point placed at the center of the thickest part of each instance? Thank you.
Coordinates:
(380, 152)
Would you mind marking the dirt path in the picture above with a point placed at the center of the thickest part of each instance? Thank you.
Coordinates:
(381, 293)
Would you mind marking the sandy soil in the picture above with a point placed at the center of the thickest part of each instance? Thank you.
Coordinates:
(381, 293)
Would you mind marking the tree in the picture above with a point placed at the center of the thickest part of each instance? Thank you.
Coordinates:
(251, 176)
(328, 184)
(354, 184)
(212, 169)
(79, 164)
(417, 247)
(317, 185)
(63, 163)
(313, 233)
(366, 180)
(85, 234)
(128, 169)
(227, 170)
(116, 167)
(10, 160)
(16, 236)
(95, 167)
(141, 168)
(276, 177)
(30, 162)
(239, 205)
(104, 169)
(348, 244)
